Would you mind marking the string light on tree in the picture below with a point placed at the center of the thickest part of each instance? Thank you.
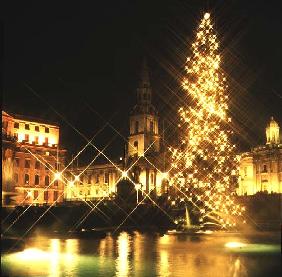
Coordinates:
(205, 164)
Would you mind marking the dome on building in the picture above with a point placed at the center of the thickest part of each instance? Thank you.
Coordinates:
(272, 132)
(273, 123)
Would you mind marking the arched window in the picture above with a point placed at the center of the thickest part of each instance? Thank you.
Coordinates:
(47, 180)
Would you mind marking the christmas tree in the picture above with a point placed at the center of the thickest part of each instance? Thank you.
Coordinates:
(205, 166)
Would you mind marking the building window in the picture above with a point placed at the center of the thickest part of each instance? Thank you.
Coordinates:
(152, 178)
(17, 160)
(27, 164)
(264, 168)
(16, 177)
(16, 125)
(45, 195)
(135, 144)
(36, 128)
(151, 126)
(36, 180)
(56, 183)
(26, 137)
(36, 139)
(136, 127)
(26, 179)
(35, 194)
(89, 179)
(37, 165)
(16, 135)
(47, 180)
(97, 178)
(26, 126)
(46, 130)
(46, 140)
(106, 177)
(55, 195)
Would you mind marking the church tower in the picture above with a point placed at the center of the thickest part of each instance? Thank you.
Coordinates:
(143, 122)
(272, 132)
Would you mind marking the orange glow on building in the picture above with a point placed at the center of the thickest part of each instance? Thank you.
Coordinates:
(31, 160)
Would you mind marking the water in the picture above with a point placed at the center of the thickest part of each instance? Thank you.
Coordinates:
(136, 254)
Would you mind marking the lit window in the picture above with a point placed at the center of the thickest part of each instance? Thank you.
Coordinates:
(27, 164)
(46, 130)
(45, 195)
(26, 126)
(35, 194)
(16, 125)
(46, 180)
(46, 140)
(36, 139)
(36, 180)
(36, 128)
(26, 179)
(106, 178)
(26, 137)
(55, 195)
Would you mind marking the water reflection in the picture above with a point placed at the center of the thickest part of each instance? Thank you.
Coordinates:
(122, 261)
(136, 254)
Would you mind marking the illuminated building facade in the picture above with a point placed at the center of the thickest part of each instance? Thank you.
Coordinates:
(93, 182)
(261, 169)
(31, 161)
(145, 159)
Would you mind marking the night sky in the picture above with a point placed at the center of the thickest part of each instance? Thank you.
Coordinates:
(78, 63)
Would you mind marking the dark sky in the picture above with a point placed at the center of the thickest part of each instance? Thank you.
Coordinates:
(79, 62)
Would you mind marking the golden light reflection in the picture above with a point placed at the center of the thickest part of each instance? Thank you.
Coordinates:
(122, 261)
(55, 248)
(70, 257)
(234, 244)
(164, 270)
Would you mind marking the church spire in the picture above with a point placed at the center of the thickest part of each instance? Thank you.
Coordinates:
(144, 75)
(144, 91)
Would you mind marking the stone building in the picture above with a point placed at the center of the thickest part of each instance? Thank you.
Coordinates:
(31, 161)
(145, 157)
(93, 182)
(261, 168)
